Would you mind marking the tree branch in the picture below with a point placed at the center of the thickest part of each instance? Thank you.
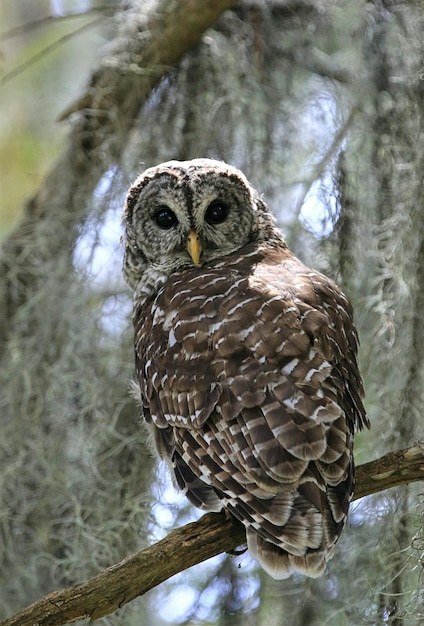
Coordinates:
(148, 46)
(212, 534)
(391, 470)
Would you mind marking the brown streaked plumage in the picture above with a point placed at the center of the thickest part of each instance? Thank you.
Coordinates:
(246, 362)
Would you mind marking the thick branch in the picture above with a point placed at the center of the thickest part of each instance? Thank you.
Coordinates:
(145, 53)
(212, 534)
(391, 470)
(113, 587)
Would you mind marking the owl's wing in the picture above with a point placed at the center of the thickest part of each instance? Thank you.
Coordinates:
(252, 379)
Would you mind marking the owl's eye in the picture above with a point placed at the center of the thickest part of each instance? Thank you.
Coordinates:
(165, 218)
(216, 213)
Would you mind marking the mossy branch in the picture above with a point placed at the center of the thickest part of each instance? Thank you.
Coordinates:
(149, 45)
(212, 534)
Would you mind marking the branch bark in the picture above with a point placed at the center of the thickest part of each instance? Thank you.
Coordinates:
(212, 534)
(391, 470)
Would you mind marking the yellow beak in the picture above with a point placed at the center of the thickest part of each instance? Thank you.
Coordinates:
(194, 246)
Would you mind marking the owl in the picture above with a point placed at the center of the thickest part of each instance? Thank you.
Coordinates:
(246, 361)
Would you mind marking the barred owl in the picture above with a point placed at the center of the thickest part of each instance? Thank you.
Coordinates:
(246, 362)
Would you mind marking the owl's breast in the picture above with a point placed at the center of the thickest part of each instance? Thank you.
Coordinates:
(221, 339)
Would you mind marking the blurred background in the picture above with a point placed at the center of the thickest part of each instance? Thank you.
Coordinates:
(321, 104)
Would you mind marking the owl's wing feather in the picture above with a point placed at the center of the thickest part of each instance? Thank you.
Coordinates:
(255, 381)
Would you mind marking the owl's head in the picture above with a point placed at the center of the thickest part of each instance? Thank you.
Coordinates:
(182, 213)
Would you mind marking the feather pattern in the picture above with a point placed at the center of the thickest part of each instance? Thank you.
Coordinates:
(261, 404)
(250, 386)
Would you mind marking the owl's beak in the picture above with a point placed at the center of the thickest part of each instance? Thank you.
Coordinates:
(194, 246)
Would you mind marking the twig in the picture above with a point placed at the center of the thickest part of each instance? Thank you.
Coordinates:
(22, 29)
(330, 153)
(47, 50)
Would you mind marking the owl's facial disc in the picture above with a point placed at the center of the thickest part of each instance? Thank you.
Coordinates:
(184, 215)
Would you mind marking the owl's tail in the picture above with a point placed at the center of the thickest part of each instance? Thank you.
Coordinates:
(279, 564)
